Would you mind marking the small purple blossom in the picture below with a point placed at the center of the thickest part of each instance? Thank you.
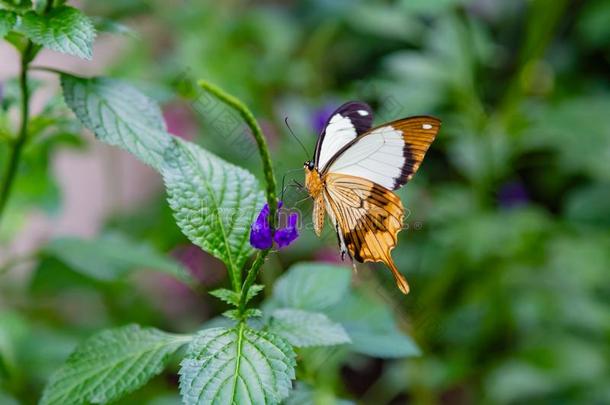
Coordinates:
(512, 194)
(262, 235)
(285, 236)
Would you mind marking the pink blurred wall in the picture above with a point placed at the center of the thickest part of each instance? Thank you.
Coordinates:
(95, 181)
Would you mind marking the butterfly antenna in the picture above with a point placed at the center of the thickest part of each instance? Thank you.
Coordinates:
(296, 137)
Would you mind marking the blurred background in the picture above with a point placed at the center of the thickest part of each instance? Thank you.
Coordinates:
(507, 247)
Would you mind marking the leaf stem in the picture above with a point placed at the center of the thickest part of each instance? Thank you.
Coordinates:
(270, 190)
(15, 157)
(252, 273)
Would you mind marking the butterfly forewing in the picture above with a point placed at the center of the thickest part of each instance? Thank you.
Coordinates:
(344, 125)
(388, 155)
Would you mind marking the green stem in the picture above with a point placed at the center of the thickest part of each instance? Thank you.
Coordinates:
(261, 143)
(270, 190)
(252, 273)
(15, 157)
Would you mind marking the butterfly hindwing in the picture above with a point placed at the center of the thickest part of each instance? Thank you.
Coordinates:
(388, 155)
(348, 122)
(368, 218)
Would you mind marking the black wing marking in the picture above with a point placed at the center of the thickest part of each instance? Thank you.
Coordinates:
(360, 118)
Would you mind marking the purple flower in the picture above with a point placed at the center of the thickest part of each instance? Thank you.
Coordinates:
(512, 194)
(285, 236)
(262, 235)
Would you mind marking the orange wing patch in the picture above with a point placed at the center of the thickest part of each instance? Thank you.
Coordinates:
(369, 217)
(418, 134)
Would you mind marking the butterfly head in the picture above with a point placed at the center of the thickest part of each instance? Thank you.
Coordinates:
(309, 165)
(313, 182)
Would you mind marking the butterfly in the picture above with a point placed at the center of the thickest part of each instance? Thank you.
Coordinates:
(352, 174)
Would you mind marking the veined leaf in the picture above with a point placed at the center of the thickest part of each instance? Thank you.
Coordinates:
(7, 22)
(64, 29)
(236, 365)
(305, 329)
(232, 297)
(371, 326)
(229, 296)
(213, 201)
(112, 257)
(111, 364)
(118, 114)
(312, 286)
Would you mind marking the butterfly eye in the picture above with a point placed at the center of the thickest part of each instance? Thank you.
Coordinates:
(310, 165)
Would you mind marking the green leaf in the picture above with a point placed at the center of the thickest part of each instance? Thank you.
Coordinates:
(305, 329)
(119, 115)
(372, 328)
(312, 286)
(232, 297)
(112, 364)
(13, 329)
(7, 22)
(303, 394)
(112, 257)
(228, 296)
(114, 27)
(64, 29)
(237, 366)
(16, 5)
(253, 291)
(213, 201)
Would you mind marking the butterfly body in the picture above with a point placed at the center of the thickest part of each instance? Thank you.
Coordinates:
(352, 174)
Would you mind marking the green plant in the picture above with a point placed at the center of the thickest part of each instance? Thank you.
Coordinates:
(252, 357)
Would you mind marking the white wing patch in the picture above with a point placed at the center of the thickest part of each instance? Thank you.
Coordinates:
(378, 156)
(338, 133)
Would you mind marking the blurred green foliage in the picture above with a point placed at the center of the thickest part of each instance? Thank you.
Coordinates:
(508, 246)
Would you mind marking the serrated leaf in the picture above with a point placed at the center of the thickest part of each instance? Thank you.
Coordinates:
(237, 366)
(7, 22)
(232, 297)
(119, 115)
(312, 286)
(111, 364)
(253, 291)
(305, 329)
(112, 257)
(63, 29)
(213, 201)
(372, 328)
(228, 296)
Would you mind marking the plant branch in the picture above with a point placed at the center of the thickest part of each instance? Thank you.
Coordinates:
(261, 143)
(271, 186)
(15, 157)
(252, 273)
